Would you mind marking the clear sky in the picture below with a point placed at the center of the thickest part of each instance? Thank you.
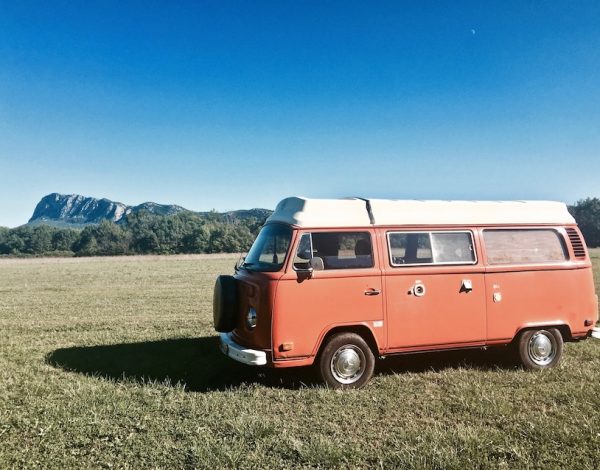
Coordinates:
(227, 105)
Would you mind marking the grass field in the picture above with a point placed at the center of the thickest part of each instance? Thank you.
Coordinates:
(113, 362)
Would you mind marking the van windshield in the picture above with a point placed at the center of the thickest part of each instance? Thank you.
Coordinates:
(270, 248)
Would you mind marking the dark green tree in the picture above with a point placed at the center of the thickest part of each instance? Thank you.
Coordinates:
(40, 240)
(63, 240)
(587, 214)
(103, 239)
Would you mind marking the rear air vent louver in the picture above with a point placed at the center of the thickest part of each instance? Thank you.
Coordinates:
(576, 243)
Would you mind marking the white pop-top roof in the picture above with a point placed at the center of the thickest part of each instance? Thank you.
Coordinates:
(354, 212)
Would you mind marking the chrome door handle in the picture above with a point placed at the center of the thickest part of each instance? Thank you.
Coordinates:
(466, 286)
(372, 292)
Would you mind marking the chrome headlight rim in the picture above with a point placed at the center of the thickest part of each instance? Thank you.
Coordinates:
(251, 318)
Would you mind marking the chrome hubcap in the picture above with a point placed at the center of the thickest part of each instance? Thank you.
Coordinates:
(348, 364)
(542, 348)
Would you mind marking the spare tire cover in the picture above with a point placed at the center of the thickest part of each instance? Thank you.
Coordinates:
(225, 303)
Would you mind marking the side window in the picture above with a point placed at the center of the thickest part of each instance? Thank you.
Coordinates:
(452, 247)
(335, 250)
(524, 246)
(410, 248)
(304, 252)
(431, 248)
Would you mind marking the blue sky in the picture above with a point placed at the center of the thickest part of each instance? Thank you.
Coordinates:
(231, 105)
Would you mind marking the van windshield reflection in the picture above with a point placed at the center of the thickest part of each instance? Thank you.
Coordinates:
(269, 250)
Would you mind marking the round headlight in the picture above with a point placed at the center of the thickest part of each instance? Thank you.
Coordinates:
(251, 318)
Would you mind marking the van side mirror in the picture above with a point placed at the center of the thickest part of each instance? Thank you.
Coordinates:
(314, 264)
(304, 269)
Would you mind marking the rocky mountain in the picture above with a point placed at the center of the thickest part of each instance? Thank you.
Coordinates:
(77, 211)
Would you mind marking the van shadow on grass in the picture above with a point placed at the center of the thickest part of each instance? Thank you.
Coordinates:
(199, 365)
(196, 363)
(473, 359)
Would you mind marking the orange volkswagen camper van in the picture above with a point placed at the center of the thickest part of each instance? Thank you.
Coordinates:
(339, 283)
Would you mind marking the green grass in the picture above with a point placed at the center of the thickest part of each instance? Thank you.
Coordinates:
(112, 362)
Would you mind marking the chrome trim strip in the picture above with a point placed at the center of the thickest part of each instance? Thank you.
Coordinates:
(241, 354)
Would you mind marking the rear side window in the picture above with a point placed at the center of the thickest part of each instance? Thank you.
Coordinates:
(336, 250)
(410, 248)
(524, 246)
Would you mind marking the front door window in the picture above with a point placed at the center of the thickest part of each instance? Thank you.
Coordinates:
(335, 250)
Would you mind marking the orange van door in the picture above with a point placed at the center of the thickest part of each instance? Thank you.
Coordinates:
(435, 290)
(344, 289)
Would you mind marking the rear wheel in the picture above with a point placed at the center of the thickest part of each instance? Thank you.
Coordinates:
(540, 349)
(346, 361)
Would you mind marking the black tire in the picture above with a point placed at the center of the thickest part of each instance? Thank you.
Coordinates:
(539, 348)
(338, 358)
(225, 303)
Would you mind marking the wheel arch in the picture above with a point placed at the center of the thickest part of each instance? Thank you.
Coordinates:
(563, 328)
(360, 329)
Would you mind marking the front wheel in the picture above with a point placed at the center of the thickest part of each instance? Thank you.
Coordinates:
(540, 349)
(346, 361)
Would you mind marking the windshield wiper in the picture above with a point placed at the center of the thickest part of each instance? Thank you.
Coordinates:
(245, 266)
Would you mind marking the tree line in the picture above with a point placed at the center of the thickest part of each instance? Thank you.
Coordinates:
(185, 232)
(141, 233)
(587, 214)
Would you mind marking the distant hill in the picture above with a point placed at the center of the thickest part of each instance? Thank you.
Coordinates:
(241, 214)
(76, 211)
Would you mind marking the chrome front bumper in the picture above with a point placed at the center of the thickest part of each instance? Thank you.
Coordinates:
(596, 333)
(251, 357)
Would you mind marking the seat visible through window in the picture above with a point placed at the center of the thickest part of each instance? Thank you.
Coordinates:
(343, 250)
